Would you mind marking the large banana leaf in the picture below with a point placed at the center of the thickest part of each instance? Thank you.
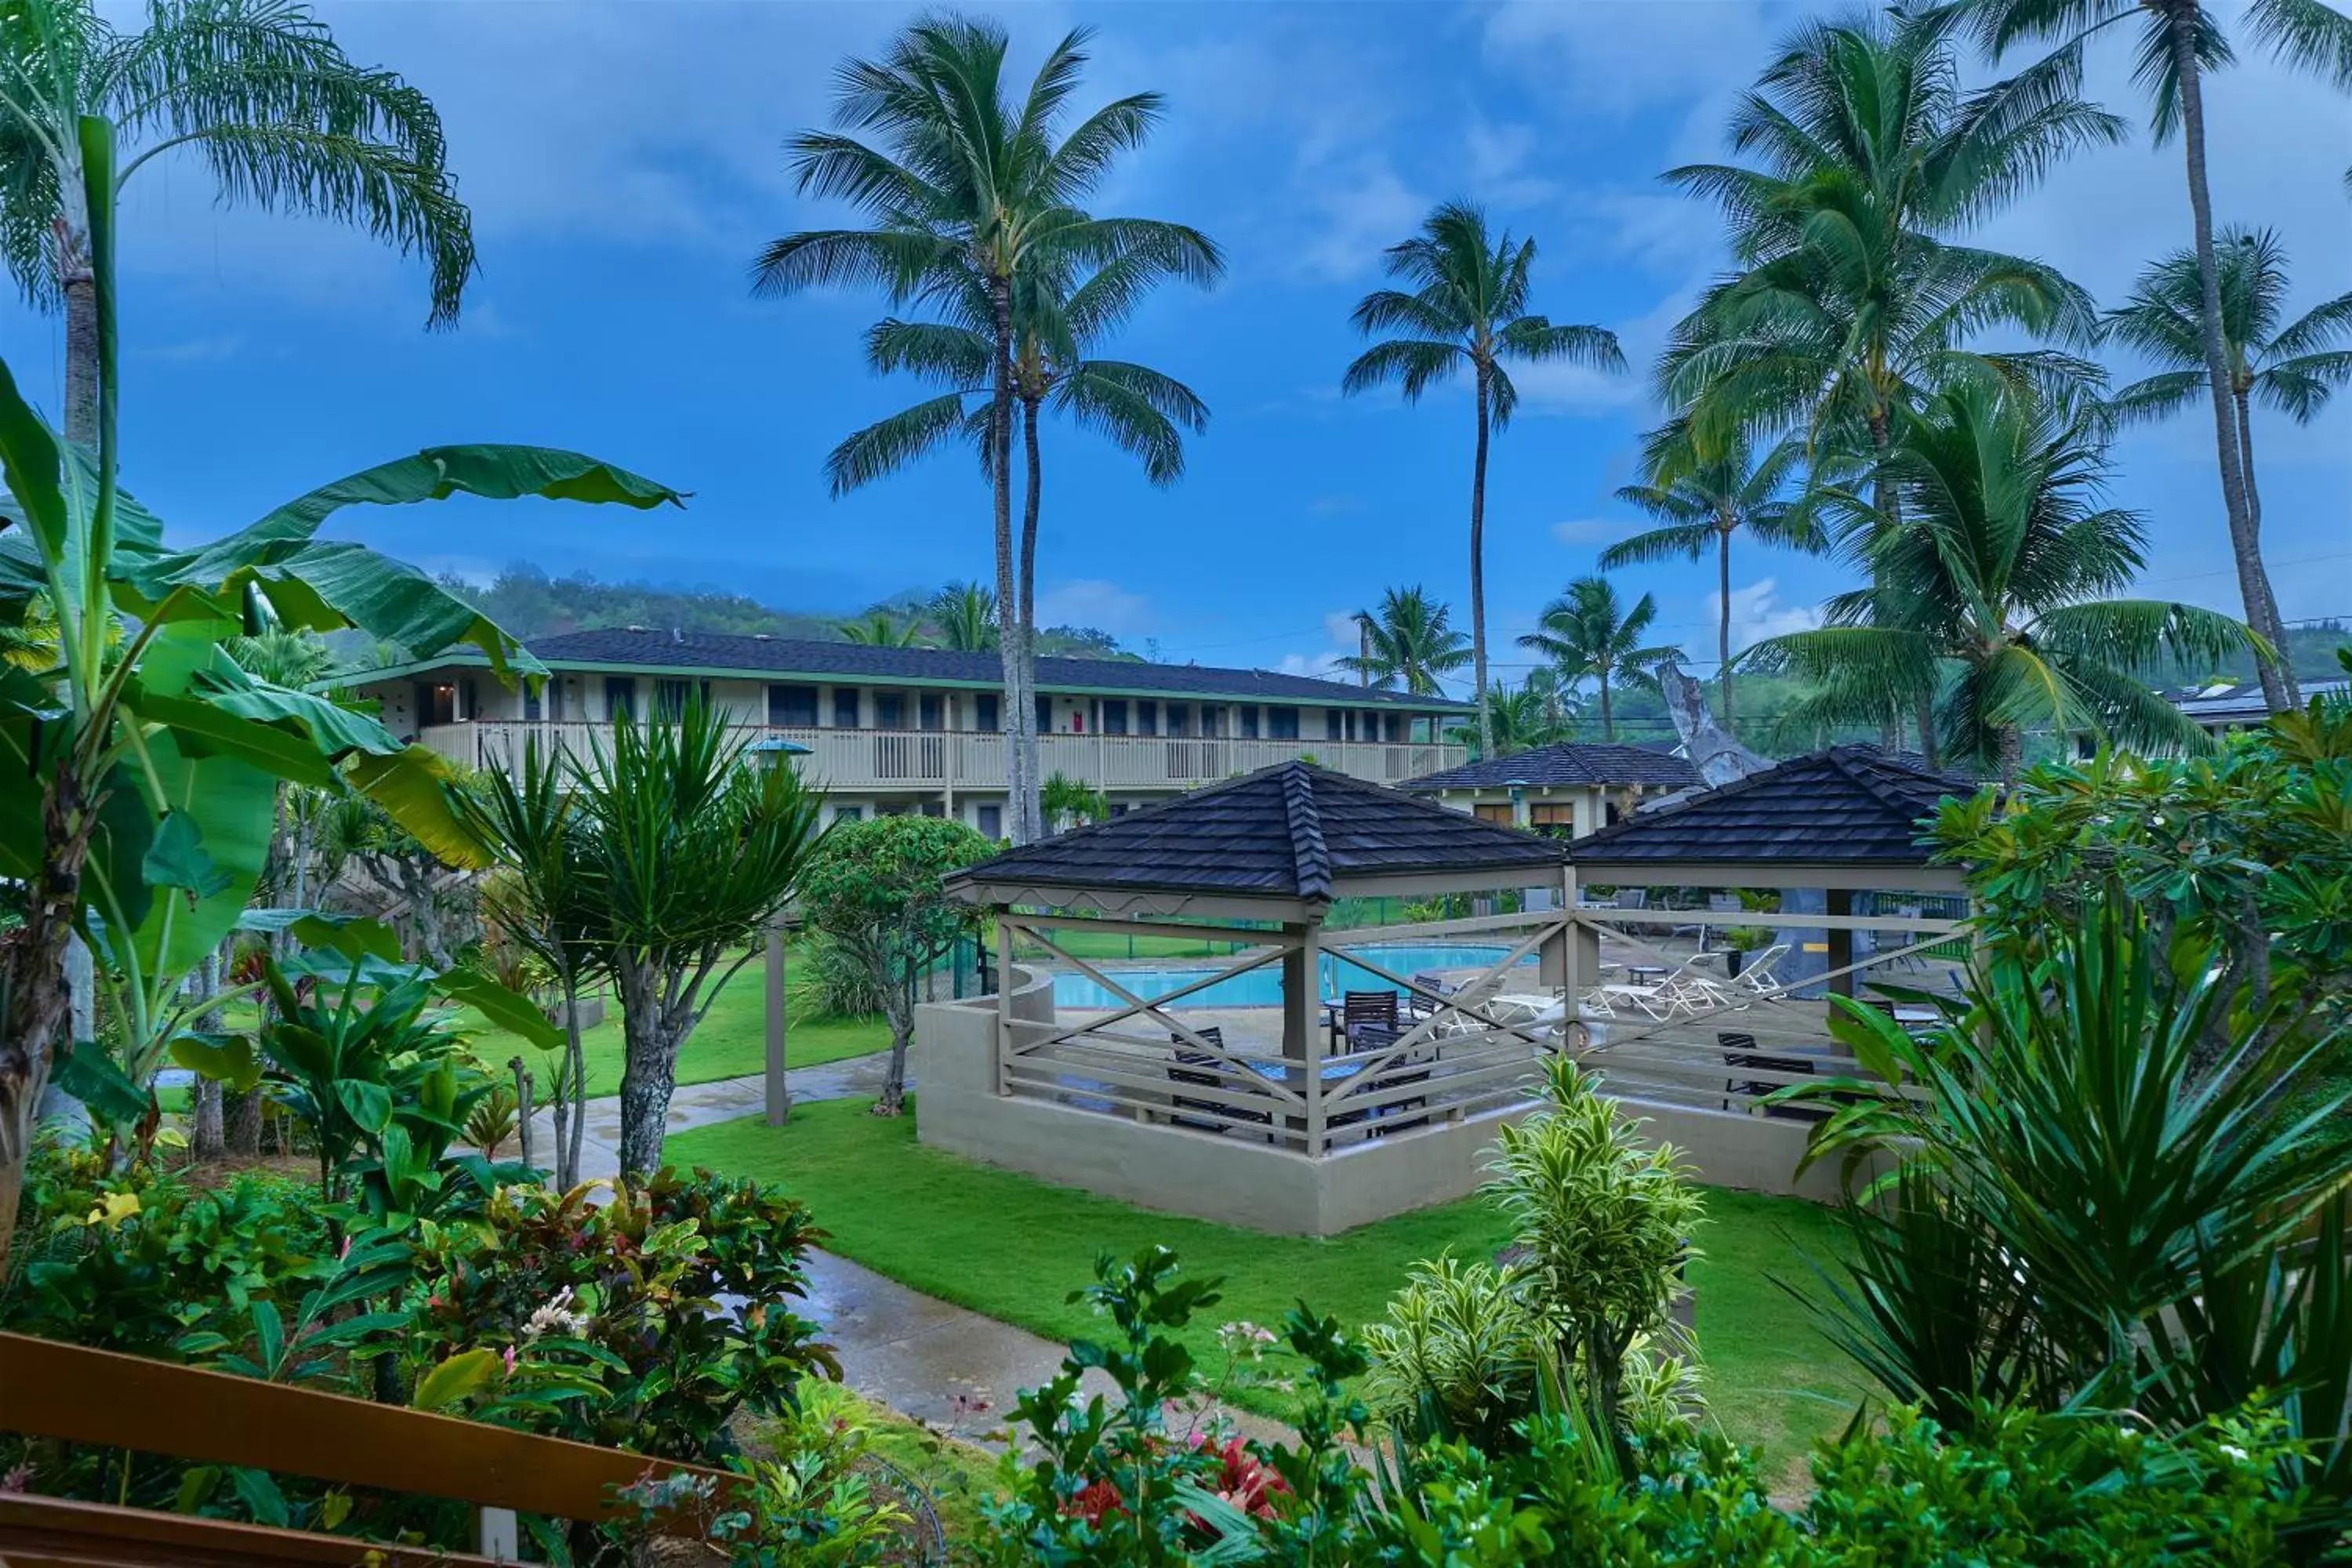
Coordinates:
(327, 584)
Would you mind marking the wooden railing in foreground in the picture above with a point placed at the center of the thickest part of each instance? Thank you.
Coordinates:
(76, 1395)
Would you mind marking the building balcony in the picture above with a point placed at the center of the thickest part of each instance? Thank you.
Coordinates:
(883, 762)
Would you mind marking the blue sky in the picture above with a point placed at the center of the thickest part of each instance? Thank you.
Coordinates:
(624, 164)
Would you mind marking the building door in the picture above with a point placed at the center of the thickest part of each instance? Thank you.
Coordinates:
(435, 704)
(620, 697)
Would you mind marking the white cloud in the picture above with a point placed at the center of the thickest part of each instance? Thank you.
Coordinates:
(1558, 387)
(1359, 206)
(1321, 666)
(1340, 626)
(1758, 612)
(1092, 602)
(1607, 57)
(1582, 531)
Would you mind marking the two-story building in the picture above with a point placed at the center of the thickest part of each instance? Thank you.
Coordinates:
(893, 730)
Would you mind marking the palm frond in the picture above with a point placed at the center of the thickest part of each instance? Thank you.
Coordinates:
(885, 446)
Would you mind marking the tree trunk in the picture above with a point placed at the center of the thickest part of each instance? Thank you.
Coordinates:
(80, 290)
(569, 1103)
(1031, 499)
(1883, 503)
(34, 1007)
(1478, 571)
(1608, 721)
(207, 1138)
(2246, 540)
(2255, 515)
(1723, 628)
(1020, 709)
(648, 1074)
(899, 1007)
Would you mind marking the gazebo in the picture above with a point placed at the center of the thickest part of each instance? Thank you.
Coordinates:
(1348, 1073)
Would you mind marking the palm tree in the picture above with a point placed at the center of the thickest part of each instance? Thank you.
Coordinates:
(2180, 40)
(880, 628)
(1140, 410)
(261, 91)
(2294, 369)
(965, 616)
(1410, 642)
(1467, 309)
(1585, 632)
(1704, 500)
(1854, 300)
(2006, 560)
(1519, 718)
(967, 183)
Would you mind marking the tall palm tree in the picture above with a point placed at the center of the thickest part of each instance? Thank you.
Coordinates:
(1704, 496)
(965, 616)
(2179, 42)
(2294, 369)
(2007, 559)
(1467, 309)
(1586, 633)
(1409, 642)
(260, 90)
(1057, 319)
(966, 181)
(880, 628)
(1855, 300)
(1518, 719)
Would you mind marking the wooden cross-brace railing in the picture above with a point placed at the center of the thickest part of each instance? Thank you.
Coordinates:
(76, 1395)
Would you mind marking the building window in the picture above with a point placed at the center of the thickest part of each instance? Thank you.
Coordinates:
(1282, 723)
(1212, 719)
(1552, 814)
(1147, 716)
(670, 698)
(620, 697)
(1179, 719)
(932, 711)
(983, 712)
(848, 813)
(1044, 715)
(991, 821)
(889, 710)
(1496, 811)
(792, 707)
(1247, 714)
(530, 708)
(1335, 724)
(845, 708)
(1114, 716)
(935, 808)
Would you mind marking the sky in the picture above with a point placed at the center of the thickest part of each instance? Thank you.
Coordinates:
(623, 163)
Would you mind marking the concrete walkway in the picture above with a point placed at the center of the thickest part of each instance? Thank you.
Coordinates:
(956, 1370)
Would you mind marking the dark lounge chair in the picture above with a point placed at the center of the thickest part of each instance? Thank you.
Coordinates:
(1363, 1007)
(1199, 1069)
(1739, 1052)
(1411, 1068)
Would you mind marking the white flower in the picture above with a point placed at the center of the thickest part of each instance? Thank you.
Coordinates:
(556, 1316)
(2233, 1450)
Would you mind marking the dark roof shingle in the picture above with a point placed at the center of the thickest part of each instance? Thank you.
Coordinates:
(1569, 762)
(1848, 806)
(1290, 831)
(783, 657)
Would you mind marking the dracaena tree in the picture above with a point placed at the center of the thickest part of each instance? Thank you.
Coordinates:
(970, 184)
(693, 847)
(1464, 308)
(259, 92)
(139, 771)
(2180, 42)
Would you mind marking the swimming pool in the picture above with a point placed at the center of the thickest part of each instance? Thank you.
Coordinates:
(1262, 988)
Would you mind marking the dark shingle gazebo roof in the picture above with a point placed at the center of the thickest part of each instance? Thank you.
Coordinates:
(1293, 836)
(1850, 816)
(1569, 762)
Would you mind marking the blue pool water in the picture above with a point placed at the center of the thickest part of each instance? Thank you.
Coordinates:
(1262, 988)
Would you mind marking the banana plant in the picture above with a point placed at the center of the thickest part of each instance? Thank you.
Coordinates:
(137, 772)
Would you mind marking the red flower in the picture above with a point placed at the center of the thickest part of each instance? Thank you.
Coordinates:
(1100, 1499)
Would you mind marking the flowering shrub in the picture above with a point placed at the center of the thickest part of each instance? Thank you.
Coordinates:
(645, 1323)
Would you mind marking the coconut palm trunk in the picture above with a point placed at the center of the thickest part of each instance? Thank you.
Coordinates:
(1019, 717)
(2246, 467)
(1034, 478)
(1723, 622)
(2246, 539)
(1478, 571)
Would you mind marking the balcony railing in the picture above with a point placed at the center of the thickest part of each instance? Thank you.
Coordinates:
(888, 760)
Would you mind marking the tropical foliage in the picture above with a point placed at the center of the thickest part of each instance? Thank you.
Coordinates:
(1464, 308)
(1410, 644)
(973, 192)
(1586, 634)
(2002, 566)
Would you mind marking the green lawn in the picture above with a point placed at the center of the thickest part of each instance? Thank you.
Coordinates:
(731, 1041)
(1013, 1247)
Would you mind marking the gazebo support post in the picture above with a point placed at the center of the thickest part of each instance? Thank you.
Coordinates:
(1002, 1077)
(1557, 960)
(779, 1090)
(1302, 996)
(1840, 901)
